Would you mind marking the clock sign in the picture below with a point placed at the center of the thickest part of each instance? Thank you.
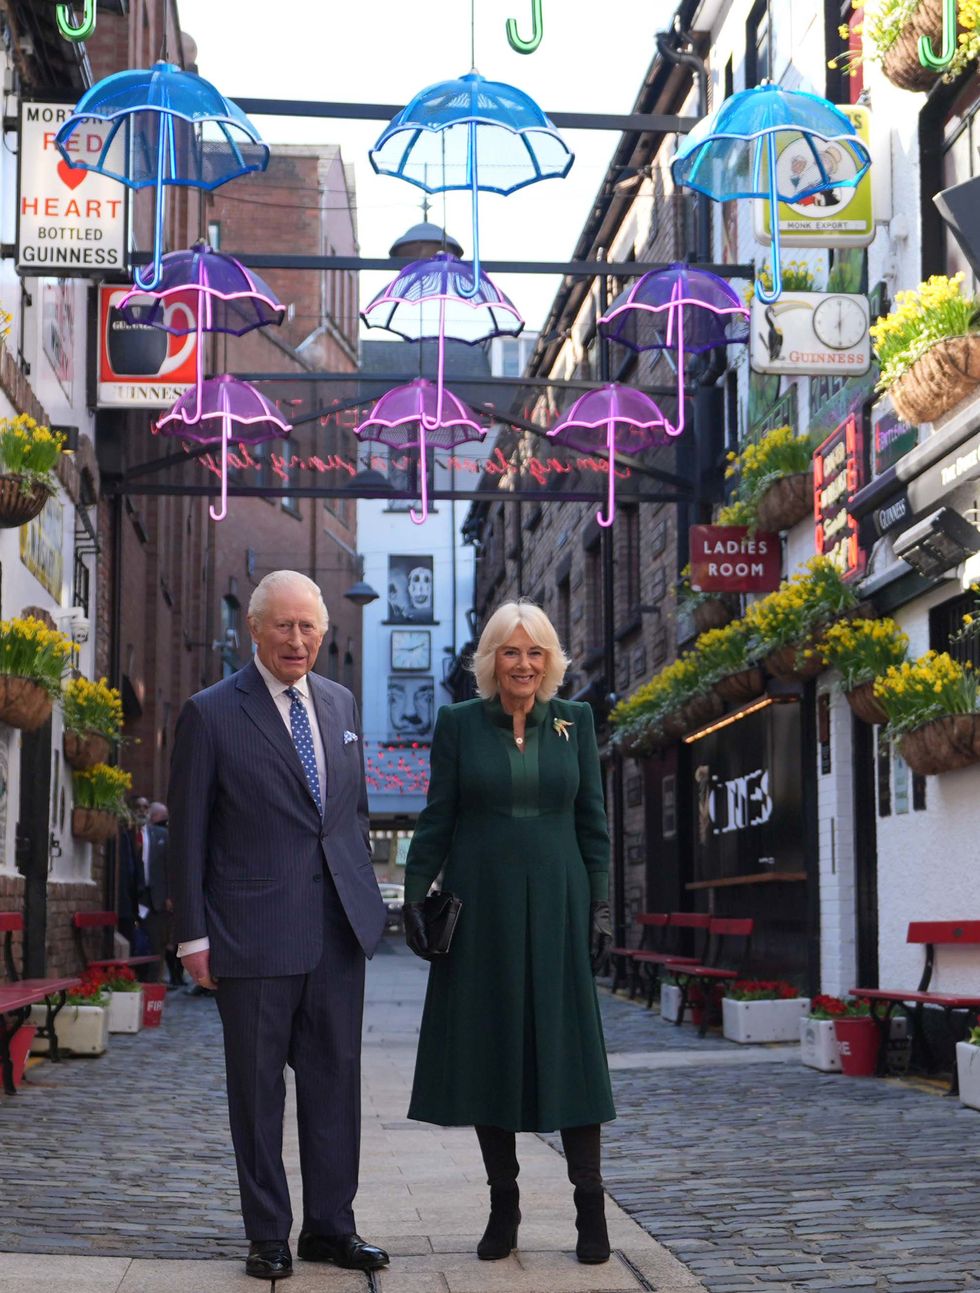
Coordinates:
(812, 333)
(410, 650)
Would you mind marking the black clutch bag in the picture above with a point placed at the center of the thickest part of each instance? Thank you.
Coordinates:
(441, 912)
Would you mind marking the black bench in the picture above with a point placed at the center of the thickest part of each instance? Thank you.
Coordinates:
(710, 975)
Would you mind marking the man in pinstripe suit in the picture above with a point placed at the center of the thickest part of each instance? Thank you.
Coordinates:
(277, 907)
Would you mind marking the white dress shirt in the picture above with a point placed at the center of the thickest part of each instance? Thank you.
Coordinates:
(277, 690)
(145, 864)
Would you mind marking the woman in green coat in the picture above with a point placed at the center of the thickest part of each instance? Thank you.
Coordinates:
(511, 1038)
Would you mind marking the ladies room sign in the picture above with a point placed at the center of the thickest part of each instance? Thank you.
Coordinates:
(140, 366)
(70, 222)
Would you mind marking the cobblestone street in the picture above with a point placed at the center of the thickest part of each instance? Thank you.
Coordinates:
(752, 1171)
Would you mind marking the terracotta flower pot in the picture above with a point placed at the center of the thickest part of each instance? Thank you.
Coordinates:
(742, 686)
(715, 613)
(943, 744)
(785, 502)
(901, 64)
(20, 502)
(938, 380)
(789, 664)
(93, 824)
(24, 703)
(865, 703)
(86, 750)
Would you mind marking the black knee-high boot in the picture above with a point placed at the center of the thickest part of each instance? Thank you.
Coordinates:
(582, 1154)
(500, 1159)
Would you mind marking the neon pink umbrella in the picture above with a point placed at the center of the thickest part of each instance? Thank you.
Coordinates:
(610, 418)
(415, 416)
(229, 410)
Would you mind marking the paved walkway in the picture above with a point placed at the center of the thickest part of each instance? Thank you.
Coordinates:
(734, 1169)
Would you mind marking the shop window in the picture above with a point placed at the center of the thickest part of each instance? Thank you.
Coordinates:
(946, 624)
(758, 45)
(80, 584)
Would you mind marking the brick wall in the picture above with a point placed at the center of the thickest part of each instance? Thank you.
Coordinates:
(63, 901)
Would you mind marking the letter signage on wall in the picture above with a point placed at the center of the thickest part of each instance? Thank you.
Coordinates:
(838, 473)
(70, 223)
(728, 559)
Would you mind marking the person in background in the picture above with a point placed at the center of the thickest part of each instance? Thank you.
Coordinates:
(511, 1038)
(130, 862)
(161, 933)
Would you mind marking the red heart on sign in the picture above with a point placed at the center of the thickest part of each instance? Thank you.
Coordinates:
(69, 175)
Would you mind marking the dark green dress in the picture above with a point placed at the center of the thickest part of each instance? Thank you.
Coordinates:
(511, 1034)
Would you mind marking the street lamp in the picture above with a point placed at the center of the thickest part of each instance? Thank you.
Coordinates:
(361, 594)
(425, 240)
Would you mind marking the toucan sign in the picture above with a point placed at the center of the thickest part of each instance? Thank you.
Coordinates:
(728, 559)
(70, 222)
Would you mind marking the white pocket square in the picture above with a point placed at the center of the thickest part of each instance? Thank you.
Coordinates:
(349, 736)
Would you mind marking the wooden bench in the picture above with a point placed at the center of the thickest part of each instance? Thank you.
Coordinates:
(654, 960)
(623, 958)
(710, 974)
(17, 997)
(883, 1002)
(83, 920)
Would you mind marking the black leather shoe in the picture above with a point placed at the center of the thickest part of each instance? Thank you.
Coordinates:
(349, 1251)
(269, 1259)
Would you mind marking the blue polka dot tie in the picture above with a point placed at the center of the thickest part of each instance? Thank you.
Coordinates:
(299, 725)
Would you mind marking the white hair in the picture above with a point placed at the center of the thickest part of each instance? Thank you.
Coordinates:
(527, 615)
(277, 579)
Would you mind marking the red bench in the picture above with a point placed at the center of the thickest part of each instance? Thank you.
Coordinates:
(17, 997)
(83, 920)
(654, 960)
(884, 1001)
(624, 957)
(709, 976)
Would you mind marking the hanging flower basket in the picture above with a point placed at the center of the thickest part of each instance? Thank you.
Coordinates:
(865, 704)
(785, 502)
(791, 664)
(86, 749)
(901, 63)
(701, 709)
(714, 613)
(24, 703)
(641, 744)
(674, 724)
(20, 502)
(938, 380)
(93, 824)
(741, 687)
(943, 744)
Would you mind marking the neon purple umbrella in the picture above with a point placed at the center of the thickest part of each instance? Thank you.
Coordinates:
(682, 309)
(222, 294)
(441, 297)
(415, 416)
(610, 418)
(230, 409)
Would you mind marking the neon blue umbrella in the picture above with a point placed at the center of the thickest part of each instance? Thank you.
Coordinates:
(736, 154)
(471, 134)
(164, 111)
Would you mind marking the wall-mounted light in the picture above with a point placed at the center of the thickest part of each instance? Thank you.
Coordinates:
(938, 543)
(737, 715)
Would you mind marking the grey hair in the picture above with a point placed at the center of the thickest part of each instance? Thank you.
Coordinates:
(499, 627)
(277, 579)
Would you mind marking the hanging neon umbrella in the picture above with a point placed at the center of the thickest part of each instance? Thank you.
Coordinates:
(231, 410)
(927, 57)
(471, 135)
(440, 298)
(69, 28)
(407, 418)
(682, 309)
(518, 43)
(165, 111)
(610, 418)
(223, 295)
(735, 154)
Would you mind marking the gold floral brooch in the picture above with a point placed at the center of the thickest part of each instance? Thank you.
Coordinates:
(561, 726)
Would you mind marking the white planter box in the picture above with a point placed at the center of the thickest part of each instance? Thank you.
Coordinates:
(125, 1012)
(968, 1069)
(818, 1042)
(763, 1021)
(82, 1030)
(670, 1002)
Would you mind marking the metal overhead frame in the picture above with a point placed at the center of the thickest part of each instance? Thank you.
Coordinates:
(133, 481)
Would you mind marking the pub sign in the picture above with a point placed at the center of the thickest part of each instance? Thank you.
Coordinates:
(728, 559)
(838, 473)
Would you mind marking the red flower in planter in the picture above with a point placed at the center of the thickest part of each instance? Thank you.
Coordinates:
(827, 1007)
(762, 990)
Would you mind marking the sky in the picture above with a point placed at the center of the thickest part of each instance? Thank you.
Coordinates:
(593, 58)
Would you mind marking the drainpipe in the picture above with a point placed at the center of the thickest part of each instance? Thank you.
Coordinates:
(687, 58)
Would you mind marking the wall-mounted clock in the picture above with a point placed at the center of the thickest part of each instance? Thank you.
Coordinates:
(411, 649)
(840, 322)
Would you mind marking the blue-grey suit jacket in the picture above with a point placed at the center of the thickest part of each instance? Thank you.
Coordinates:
(247, 844)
